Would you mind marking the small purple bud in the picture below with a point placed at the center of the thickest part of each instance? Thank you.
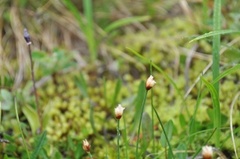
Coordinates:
(27, 36)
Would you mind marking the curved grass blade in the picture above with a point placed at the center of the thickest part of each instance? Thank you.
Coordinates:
(125, 21)
(216, 107)
(231, 123)
(32, 118)
(214, 33)
(227, 72)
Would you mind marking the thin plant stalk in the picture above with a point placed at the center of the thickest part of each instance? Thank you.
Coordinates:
(90, 155)
(215, 65)
(19, 124)
(32, 75)
(140, 122)
(118, 139)
(33, 80)
(216, 41)
(231, 124)
(170, 147)
(152, 111)
(28, 40)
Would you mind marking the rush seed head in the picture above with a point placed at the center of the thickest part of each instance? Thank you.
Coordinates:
(86, 146)
(150, 82)
(27, 36)
(119, 111)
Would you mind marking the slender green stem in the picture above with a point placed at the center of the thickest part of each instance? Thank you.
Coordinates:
(170, 147)
(152, 121)
(19, 124)
(216, 41)
(215, 65)
(152, 110)
(118, 138)
(90, 155)
(140, 122)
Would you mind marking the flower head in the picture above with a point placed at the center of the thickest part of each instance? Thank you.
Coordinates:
(207, 152)
(86, 146)
(27, 37)
(150, 82)
(119, 111)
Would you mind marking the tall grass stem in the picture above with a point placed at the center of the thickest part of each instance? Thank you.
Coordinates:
(152, 111)
(215, 65)
(89, 29)
(118, 139)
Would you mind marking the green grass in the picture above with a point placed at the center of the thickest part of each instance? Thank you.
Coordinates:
(82, 90)
(20, 128)
(86, 23)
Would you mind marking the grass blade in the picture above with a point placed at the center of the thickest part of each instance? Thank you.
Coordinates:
(140, 120)
(19, 124)
(138, 102)
(89, 30)
(169, 130)
(231, 124)
(214, 33)
(32, 117)
(39, 145)
(75, 13)
(125, 21)
(87, 27)
(146, 131)
(81, 84)
(216, 107)
(216, 42)
(227, 72)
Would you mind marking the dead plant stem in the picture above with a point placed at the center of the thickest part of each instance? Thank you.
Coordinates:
(34, 85)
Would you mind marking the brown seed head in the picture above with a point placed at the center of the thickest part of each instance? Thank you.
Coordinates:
(86, 145)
